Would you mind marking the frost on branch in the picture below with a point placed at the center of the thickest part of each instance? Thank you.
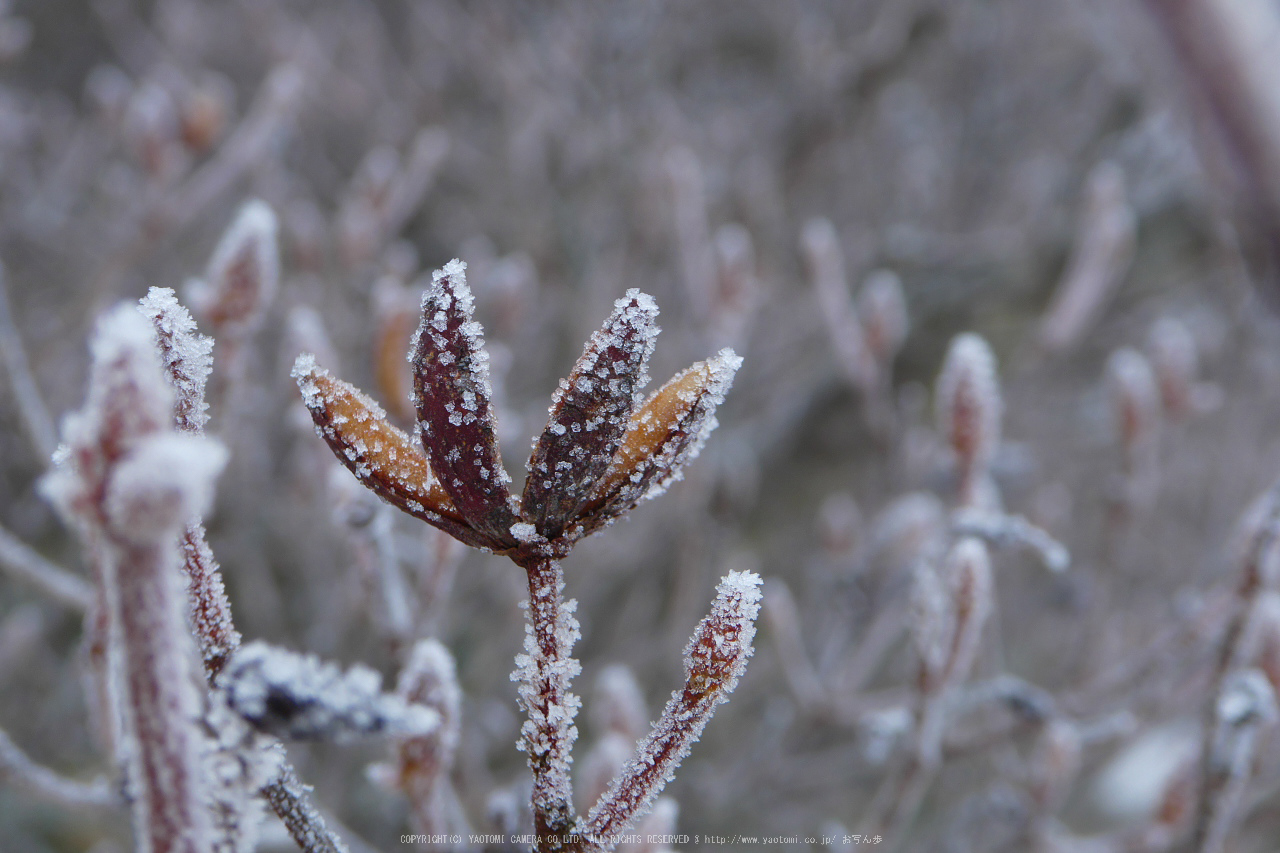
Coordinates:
(187, 356)
(668, 431)
(590, 412)
(544, 673)
(243, 272)
(131, 484)
(300, 697)
(188, 359)
(715, 659)
(453, 398)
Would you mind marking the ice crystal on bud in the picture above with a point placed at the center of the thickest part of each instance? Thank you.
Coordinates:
(298, 696)
(187, 355)
(243, 272)
(590, 413)
(715, 659)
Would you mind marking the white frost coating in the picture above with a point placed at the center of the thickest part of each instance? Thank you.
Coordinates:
(968, 399)
(165, 482)
(244, 270)
(524, 532)
(128, 398)
(715, 659)
(721, 369)
(299, 696)
(187, 355)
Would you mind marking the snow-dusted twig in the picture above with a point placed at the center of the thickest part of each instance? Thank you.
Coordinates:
(188, 358)
(297, 696)
(715, 659)
(20, 560)
(131, 483)
(291, 801)
(19, 768)
(1009, 530)
(31, 406)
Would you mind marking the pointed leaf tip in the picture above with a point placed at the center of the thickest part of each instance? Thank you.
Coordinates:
(590, 413)
(453, 399)
(667, 432)
(382, 457)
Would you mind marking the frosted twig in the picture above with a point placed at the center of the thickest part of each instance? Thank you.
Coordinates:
(131, 483)
(290, 801)
(18, 767)
(21, 561)
(1245, 707)
(35, 415)
(1006, 530)
(822, 250)
(298, 696)
(544, 673)
(715, 659)
(188, 358)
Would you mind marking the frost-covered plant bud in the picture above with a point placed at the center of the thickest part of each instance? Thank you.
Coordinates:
(161, 485)
(715, 659)
(128, 401)
(423, 763)
(1055, 763)
(667, 432)
(243, 272)
(1175, 358)
(968, 574)
(839, 523)
(453, 399)
(187, 356)
(736, 284)
(590, 415)
(882, 308)
(932, 626)
(970, 410)
(205, 111)
(298, 696)
(821, 246)
(1135, 401)
(150, 126)
(130, 483)
(382, 457)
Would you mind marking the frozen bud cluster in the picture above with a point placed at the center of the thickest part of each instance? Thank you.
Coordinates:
(1175, 360)
(298, 696)
(599, 455)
